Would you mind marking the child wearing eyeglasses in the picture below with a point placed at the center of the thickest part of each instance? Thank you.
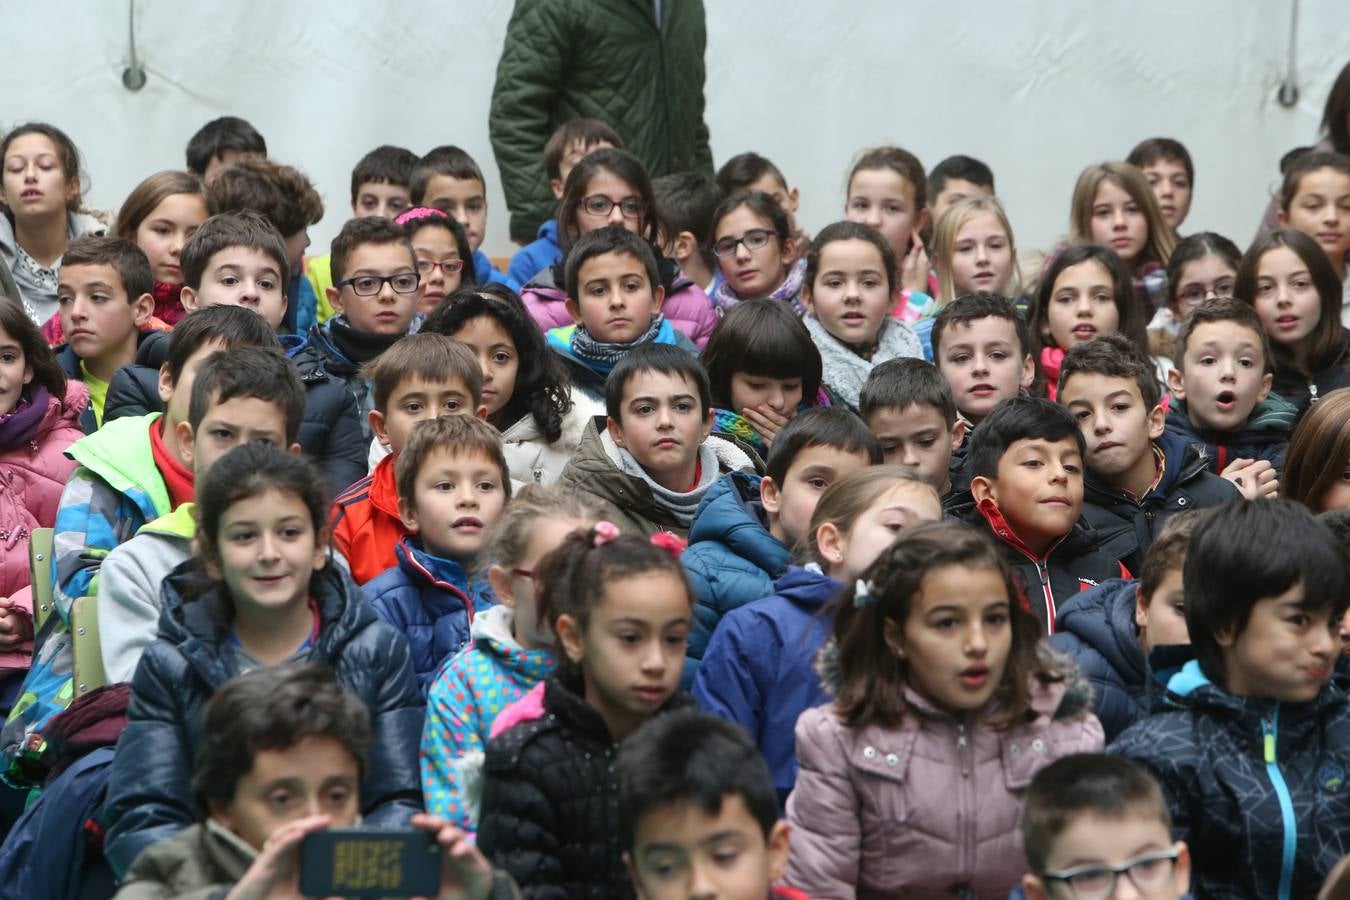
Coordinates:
(756, 252)
(610, 187)
(442, 248)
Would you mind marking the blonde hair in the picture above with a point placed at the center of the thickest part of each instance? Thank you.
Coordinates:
(1161, 239)
(535, 503)
(944, 238)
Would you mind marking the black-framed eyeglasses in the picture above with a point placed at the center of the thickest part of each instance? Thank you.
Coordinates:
(370, 285)
(1198, 293)
(754, 239)
(599, 205)
(448, 266)
(1146, 872)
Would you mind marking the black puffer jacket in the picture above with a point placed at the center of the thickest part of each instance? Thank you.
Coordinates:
(150, 791)
(550, 802)
(330, 432)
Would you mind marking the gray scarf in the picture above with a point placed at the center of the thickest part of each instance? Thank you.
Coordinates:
(843, 371)
(681, 506)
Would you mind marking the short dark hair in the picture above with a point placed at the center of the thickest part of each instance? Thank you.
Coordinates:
(447, 160)
(386, 164)
(125, 258)
(692, 757)
(457, 434)
(1085, 784)
(232, 326)
(283, 195)
(906, 381)
(1196, 247)
(1152, 150)
(1244, 552)
(687, 201)
(980, 305)
(1018, 419)
(588, 132)
(849, 231)
(1306, 164)
(761, 204)
(426, 355)
(219, 136)
(1222, 309)
(1167, 553)
(825, 426)
(665, 359)
(273, 708)
(261, 372)
(1114, 356)
(744, 169)
(610, 239)
(244, 228)
(367, 230)
(761, 337)
(965, 168)
(1337, 521)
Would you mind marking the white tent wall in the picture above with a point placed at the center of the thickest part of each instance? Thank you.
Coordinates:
(1036, 88)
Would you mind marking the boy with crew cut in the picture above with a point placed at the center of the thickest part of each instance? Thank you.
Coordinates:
(1221, 397)
(221, 143)
(420, 377)
(247, 395)
(746, 527)
(908, 405)
(981, 345)
(956, 178)
(1110, 631)
(651, 460)
(1253, 745)
(104, 302)
(1026, 468)
(687, 201)
(1167, 167)
(1138, 474)
(448, 179)
(569, 144)
(1093, 824)
(698, 815)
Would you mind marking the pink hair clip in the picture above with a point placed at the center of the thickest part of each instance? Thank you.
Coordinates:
(669, 542)
(419, 212)
(604, 533)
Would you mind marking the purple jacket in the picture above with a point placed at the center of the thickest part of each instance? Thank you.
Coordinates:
(929, 808)
(685, 306)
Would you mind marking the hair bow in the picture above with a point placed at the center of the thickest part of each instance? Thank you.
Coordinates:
(862, 594)
(604, 532)
(669, 542)
(419, 212)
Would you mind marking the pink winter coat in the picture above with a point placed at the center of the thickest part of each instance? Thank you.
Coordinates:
(686, 306)
(31, 480)
(928, 808)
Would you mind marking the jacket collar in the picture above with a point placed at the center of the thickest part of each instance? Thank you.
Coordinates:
(426, 570)
(1003, 531)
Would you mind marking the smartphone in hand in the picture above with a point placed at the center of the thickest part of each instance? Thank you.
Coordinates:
(361, 862)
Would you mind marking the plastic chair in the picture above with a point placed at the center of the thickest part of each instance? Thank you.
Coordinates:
(40, 544)
(88, 653)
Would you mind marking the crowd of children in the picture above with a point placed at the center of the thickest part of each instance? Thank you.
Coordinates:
(687, 553)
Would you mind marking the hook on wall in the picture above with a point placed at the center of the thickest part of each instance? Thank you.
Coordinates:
(133, 76)
(1288, 93)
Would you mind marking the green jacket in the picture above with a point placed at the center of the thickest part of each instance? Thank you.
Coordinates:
(202, 862)
(606, 59)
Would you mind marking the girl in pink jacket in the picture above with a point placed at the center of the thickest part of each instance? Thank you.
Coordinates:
(945, 704)
(610, 187)
(39, 418)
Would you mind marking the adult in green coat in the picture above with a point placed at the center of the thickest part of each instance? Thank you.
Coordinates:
(636, 65)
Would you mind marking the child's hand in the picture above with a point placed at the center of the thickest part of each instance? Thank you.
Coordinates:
(765, 421)
(1254, 478)
(914, 267)
(275, 874)
(15, 626)
(465, 872)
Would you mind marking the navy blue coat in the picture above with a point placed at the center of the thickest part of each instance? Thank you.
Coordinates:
(759, 668)
(1257, 788)
(150, 794)
(432, 601)
(732, 558)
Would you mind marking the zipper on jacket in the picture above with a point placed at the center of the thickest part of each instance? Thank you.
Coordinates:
(1270, 730)
(966, 802)
(1043, 570)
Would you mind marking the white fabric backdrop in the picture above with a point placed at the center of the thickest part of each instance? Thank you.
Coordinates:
(1036, 88)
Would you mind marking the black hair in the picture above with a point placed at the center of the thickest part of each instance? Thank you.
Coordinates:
(899, 383)
(665, 359)
(1018, 419)
(687, 201)
(1244, 552)
(1115, 356)
(1336, 114)
(232, 326)
(964, 168)
(973, 307)
(761, 337)
(1195, 247)
(438, 219)
(691, 757)
(1151, 150)
(541, 388)
(386, 164)
(368, 230)
(37, 353)
(849, 231)
(826, 426)
(610, 239)
(449, 161)
(1130, 306)
(1337, 521)
(744, 169)
(623, 166)
(761, 204)
(260, 372)
(244, 228)
(217, 137)
(1324, 344)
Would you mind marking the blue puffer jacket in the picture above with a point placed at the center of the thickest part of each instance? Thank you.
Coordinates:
(432, 601)
(732, 559)
(1257, 788)
(1096, 630)
(759, 672)
(150, 791)
(537, 255)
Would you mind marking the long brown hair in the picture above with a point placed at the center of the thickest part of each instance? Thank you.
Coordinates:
(151, 192)
(1161, 239)
(1318, 451)
(1324, 344)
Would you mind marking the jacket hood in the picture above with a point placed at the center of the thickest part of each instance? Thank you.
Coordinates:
(1191, 688)
(808, 587)
(492, 633)
(180, 523)
(548, 231)
(319, 340)
(425, 570)
(1270, 423)
(119, 453)
(64, 411)
(731, 514)
(1103, 618)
